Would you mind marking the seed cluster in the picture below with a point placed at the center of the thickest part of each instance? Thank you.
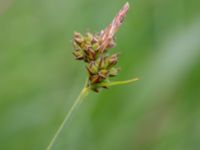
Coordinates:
(93, 50)
(100, 65)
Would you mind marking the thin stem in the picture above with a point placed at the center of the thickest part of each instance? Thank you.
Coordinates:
(118, 82)
(82, 94)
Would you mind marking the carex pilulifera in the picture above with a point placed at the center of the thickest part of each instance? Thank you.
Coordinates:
(94, 50)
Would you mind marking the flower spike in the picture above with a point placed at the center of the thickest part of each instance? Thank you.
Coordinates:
(93, 50)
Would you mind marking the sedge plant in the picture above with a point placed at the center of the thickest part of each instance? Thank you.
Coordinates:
(93, 50)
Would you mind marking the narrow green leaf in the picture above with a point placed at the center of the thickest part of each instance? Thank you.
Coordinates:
(108, 84)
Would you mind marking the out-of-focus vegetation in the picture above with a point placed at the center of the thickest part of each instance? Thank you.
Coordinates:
(39, 80)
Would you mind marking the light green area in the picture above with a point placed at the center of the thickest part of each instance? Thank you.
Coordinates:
(159, 42)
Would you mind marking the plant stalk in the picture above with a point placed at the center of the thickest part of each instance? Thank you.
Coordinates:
(79, 99)
(118, 82)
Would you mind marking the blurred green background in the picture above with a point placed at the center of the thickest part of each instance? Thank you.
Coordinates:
(39, 78)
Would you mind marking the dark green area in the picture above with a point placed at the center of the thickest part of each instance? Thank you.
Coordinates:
(39, 79)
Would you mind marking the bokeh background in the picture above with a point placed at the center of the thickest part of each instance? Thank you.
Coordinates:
(39, 78)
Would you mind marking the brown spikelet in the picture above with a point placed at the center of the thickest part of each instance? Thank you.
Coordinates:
(92, 49)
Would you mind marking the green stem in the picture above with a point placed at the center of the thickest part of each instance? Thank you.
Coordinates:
(118, 82)
(82, 94)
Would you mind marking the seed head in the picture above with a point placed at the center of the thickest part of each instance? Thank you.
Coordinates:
(93, 50)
